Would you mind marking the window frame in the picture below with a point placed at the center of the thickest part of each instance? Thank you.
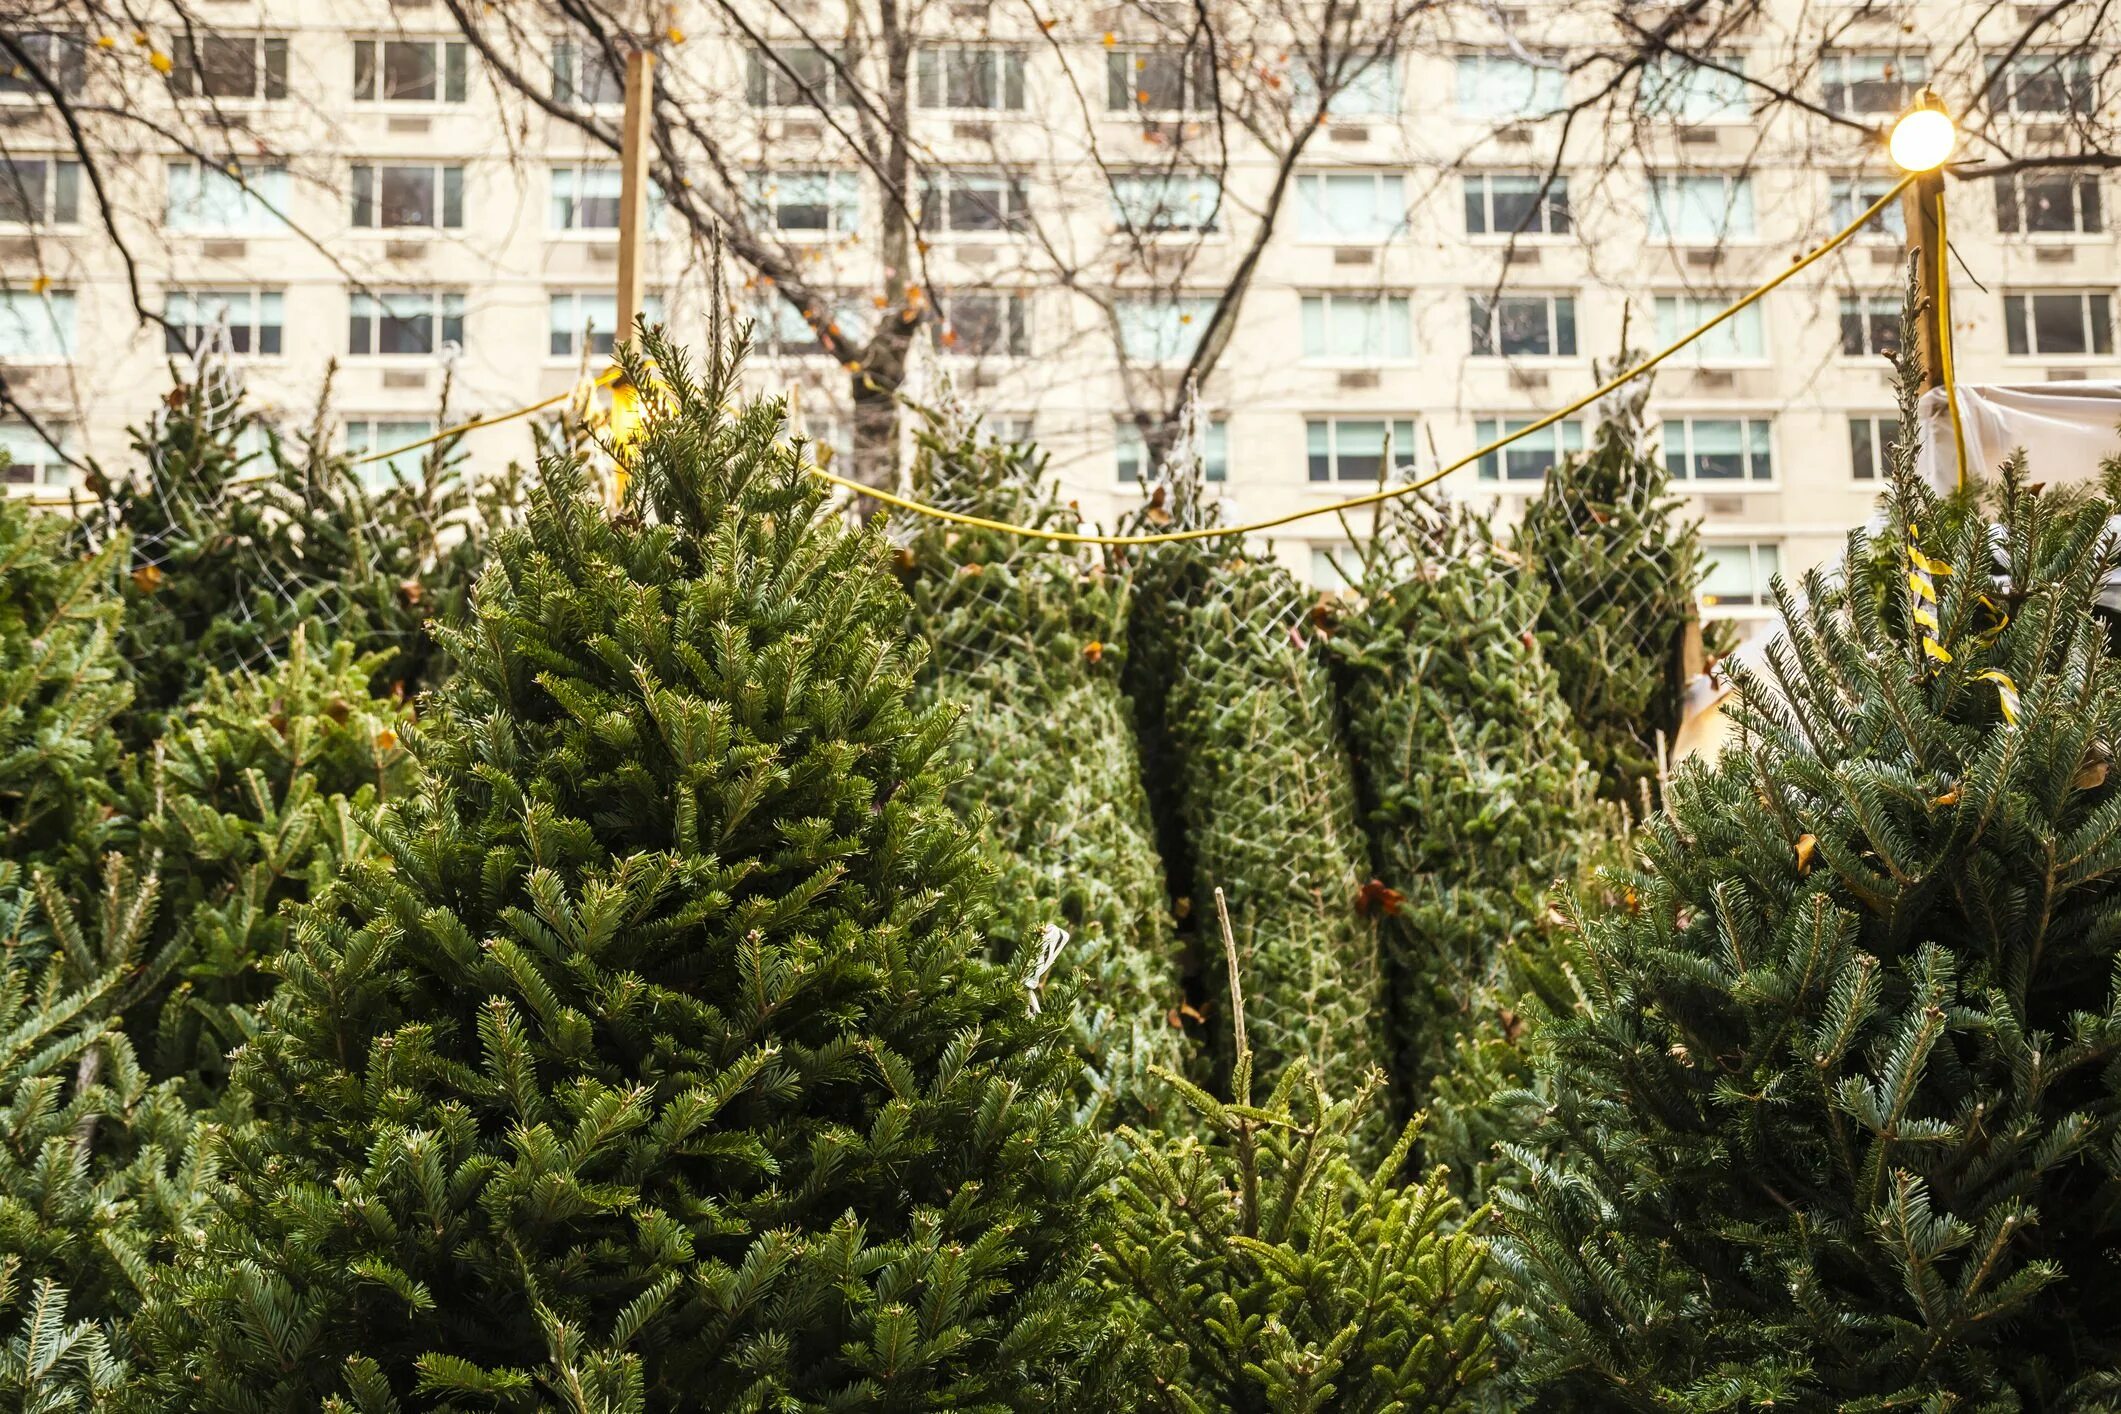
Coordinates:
(1832, 77)
(254, 330)
(581, 56)
(1733, 184)
(1184, 308)
(576, 231)
(651, 310)
(451, 60)
(938, 192)
(1011, 78)
(1482, 310)
(1304, 88)
(1490, 59)
(1749, 447)
(837, 182)
(1674, 70)
(1875, 310)
(1196, 82)
(379, 311)
(58, 198)
(1014, 311)
(1847, 198)
(65, 333)
(49, 467)
(1123, 222)
(443, 191)
(1689, 310)
(2092, 304)
(2018, 206)
(1571, 435)
(380, 474)
(1879, 448)
(269, 223)
(1760, 600)
(1382, 181)
(68, 73)
(1326, 299)
(1334, 472)
(268, 51)
(1126, 438)
(761, 80)
(1555, 199)
(2079, 87)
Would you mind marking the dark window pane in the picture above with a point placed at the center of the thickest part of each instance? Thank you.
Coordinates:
(364, 68)
(21, 192)
(1855, 333)
(2048, 205)
(406, 333)
(2007, 220)
(408, 196)
(364, 196)
(453, 73)
(359, 331)
(1517, 204)
(2102, 325)
(2087, 199)
(408, 71)
(1476, 207)
(228, 67)
(1483, 322)
(268, 338)
(1524, 328)
(1565, 327)
(2058, 324)
(1861, 464)
(66, 193)
(2014, 336)
(452, 197)
(276, 68)
(1558, 208)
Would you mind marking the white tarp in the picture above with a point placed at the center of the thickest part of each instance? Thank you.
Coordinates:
(2066, 428)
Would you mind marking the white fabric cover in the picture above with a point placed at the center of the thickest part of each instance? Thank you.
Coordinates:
(2065, 428)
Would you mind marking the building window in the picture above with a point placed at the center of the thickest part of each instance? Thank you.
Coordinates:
(1514, 326)
(1678, 88)
(1719, 448)
(29, 459)
(1158, 203)
(1350, 207)
(37, 192)
(228, 66)
(1159, 80)
(2041, 84)
(808, 203)
(1501, 85)
(1498, 204)
(795, 76)
(61, 56)
(1870, 324)
(34, 326)
(1872, 82)
(1531, 456)
(788, 332)
(1132, 455)
(2049, 204)
(573, 312)
(1700, 210)
(2057, 322)
(405, 322)
(584, 76)
(252, 319)
(366, 436)
(1353, 448)
(957, 76)
(1872, 442)
(205, 198)
(587, 198)
(984, 325)
(1850, 197)
(1738, 575)
(1367, 327)
(1154, 329)
(971, 202)
(1740, 339)
(1367, 86)
(397, 198)
(408, 71)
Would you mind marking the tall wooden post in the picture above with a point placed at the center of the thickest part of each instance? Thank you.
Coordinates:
(1918, 205)
(633, 189)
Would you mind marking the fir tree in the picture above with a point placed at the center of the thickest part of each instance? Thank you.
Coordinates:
(657, 1065)
(60, 686)
(1838, 1126)
(1266, 1270)
(1474, 792)
(1027, 643)
(1248, 738)
(1620, 566)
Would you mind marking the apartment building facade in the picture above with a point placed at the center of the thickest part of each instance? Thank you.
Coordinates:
(1451, 254)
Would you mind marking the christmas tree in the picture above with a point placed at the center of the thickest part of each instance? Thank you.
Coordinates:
(1027, 644)
(1474, 792)
(1264, 1269)
(1620, 565)
(1247, 736)
(1838, 1125)
(657, 1064)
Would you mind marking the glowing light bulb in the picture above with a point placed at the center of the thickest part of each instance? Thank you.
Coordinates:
(1923, 139)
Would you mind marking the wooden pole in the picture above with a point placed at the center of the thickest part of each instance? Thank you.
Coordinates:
(633, 189)
(1918, 206)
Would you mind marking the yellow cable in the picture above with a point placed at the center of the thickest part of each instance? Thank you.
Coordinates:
(605, 379)
(1371, 498)
(1944, 336)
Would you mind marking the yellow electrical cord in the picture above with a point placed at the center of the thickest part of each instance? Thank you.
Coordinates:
(1371, 498)
(1942, 285)
(606, 379)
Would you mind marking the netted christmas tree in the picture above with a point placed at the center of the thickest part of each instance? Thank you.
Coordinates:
(657, 1065)
(1475, 795)
(1266, 1269)
(1027, 644)
(1621, 564)
(1247, 735)
(1839, 1126)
